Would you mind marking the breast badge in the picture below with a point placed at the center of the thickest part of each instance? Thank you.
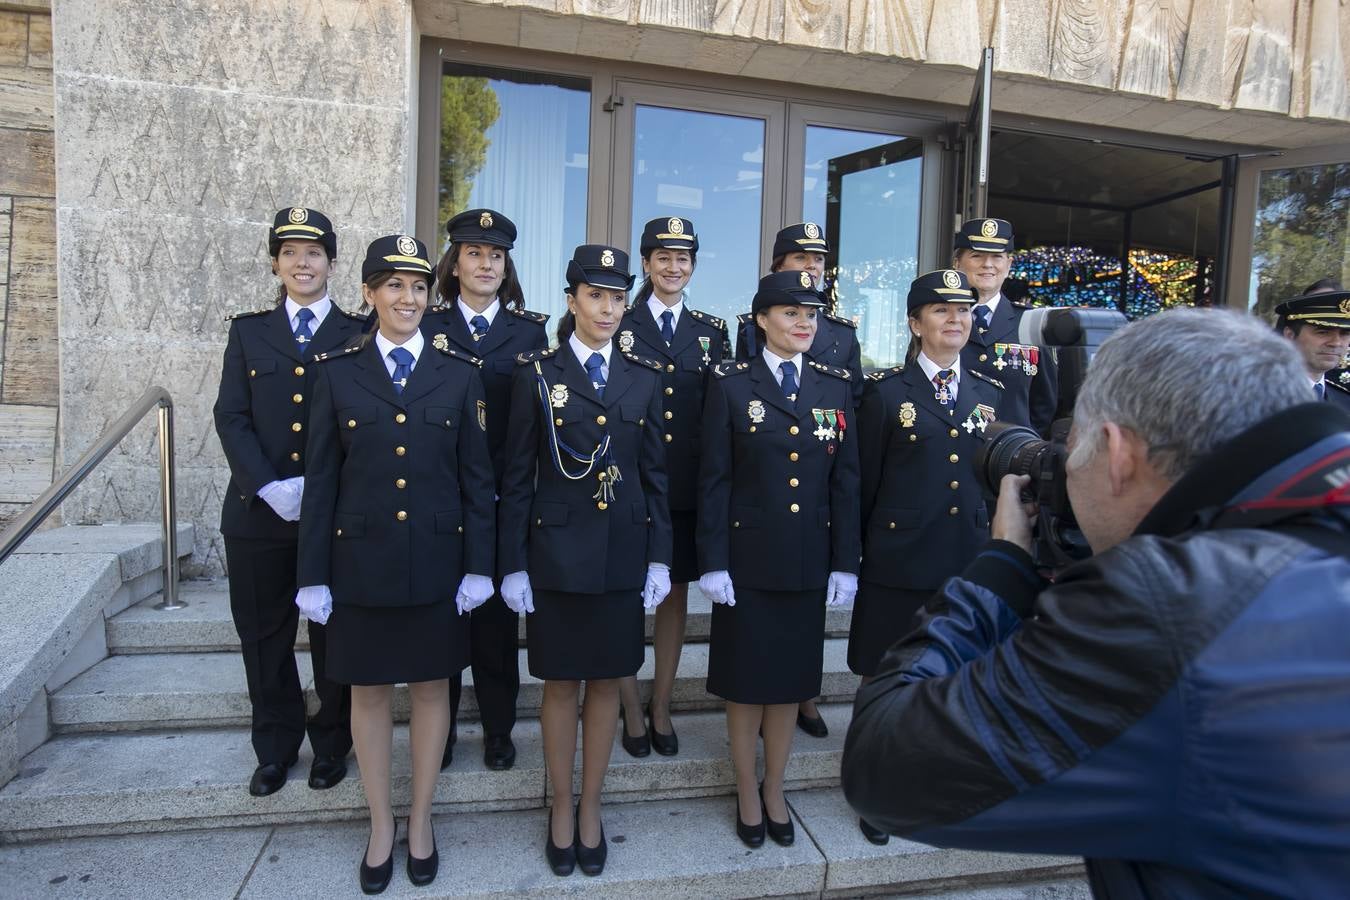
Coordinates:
(907, 415)
(626, 341)
(559, 396)
(440, 342)
(756, 411)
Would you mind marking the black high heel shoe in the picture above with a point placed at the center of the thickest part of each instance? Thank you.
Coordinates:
(374, 879)
(590, 859)
(751, 835)
(665, 744)
(783, 833)
(639, 746)
(560, 859)
(873, 834)
(422, 871)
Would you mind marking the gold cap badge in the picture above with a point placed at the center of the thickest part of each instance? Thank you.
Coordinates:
(805, 279)
(607, 259)
(812, 230)
(951, 278)
(989, 228)
(675, 225)
(485, 220)
(298, 215)
(407, 246)
(1345, 306)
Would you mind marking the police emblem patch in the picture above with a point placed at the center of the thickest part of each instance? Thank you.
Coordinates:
(607, 259)
(559, 396)
(482, 415)
(407, 246)
(440, 342)
(1345, 306)
(907, 415)
(485, 220)
(675, 225)
(756, 411)
(951, 278)
(989, 228)
(812, 230)
(626, 341)
(298, 215)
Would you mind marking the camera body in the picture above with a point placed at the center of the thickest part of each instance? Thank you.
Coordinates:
(1073, 334)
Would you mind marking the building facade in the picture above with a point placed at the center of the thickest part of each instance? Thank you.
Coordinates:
(1149, 153)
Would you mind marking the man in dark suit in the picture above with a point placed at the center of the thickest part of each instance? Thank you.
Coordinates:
(1319, 325)
(1029, 374)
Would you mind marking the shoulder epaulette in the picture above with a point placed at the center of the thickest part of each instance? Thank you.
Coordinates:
(355, 316)
(1340, 387)
(1345, 377)
(1021, 304)
(988, 378)
(465, 357)
(439, 308)
(532, 355)
(841, 320)
(836, 371)
(745, 317)
(722, 370)
(340, 352)
(250, 312)
(642, 361)
(528, 315)
(883, 374)
(707, 319)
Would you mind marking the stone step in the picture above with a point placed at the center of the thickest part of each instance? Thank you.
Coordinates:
(659, 848)
(166, 781)
(196, 690)
(205, 625)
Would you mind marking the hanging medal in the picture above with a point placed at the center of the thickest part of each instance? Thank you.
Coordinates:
(999, 350)
(1033, 357)
(705, 343)
(839, 420)
(823, 431)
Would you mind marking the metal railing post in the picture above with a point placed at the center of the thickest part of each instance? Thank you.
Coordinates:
(169, 507)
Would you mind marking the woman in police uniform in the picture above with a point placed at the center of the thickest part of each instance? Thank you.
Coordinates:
(802, 248)
(482, 313)
(923, 512)
(687, 342)
(396, 535)
(585, 534)
(778, 536)
(261, 413)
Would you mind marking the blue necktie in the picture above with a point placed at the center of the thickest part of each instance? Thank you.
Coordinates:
(981, 317)
(593, 369)
(302, 333)
(1320, 390)
(403, 361)
(480, 327)
(789, 370)
(668, 327)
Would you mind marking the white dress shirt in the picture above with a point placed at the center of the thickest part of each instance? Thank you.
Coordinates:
(413, 345)
(319, 307)
(657, 307)
(931, 369)
(469, 312)
(583, 353)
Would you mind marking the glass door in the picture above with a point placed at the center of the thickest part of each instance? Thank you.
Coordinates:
(713, 159)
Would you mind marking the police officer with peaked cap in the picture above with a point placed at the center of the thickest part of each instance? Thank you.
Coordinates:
(1319, 326)
(984, 255)
(778, 535)
(261, 413)
(687, 342)
(482, 313)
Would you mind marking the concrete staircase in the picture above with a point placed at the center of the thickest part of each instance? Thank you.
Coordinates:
(150, 748)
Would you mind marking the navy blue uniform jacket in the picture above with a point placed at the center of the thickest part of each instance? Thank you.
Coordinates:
(835, 344)
(1027, 399)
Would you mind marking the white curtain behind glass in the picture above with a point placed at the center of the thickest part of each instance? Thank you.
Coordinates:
(523, 177)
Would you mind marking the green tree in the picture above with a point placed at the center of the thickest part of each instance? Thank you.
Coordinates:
(469, 107)
(1302, 231)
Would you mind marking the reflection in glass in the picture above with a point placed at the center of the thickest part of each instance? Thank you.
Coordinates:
(518, 142)
(708, 168)
(1302, 232)
(866, 189)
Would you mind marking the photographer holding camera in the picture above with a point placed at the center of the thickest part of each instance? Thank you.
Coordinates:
(1175, 708)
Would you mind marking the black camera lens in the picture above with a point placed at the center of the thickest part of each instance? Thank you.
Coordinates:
(1010, 449)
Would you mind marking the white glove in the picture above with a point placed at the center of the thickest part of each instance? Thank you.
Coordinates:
(717, 587)
(516, 592)
(284, 499)
(843, 587)
(315, 602)
(474, 591)
(657, 586)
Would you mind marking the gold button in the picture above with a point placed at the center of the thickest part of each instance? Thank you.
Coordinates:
(669, 439)
(669, 391)
(670, 368)
(642, 421)
(793, 430)
(891, 526)
(295, 456)
(297, 398)
(296, 426)
(794, 508)
(557, 422)
(459, 529)
(752, 429)
(984, 357)
(735, 524)
(252, 373)
(401, 515)
(299, 370)
(602, 505)
(400, 418)
(954, 485)
(669, 415)
(954, 432)
(399, 451)
(600, 420)
(913, 437)
(447, 423)
(351, 423)
(793, 456)
(339, 532)
(792, 482)
(953, 511)
(539, 521)
(954, 458)
(401, 483)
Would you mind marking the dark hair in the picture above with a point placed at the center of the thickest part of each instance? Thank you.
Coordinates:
(510, 293)
(1324, 284)
(915, 344)
(645, 290)
(567, 323)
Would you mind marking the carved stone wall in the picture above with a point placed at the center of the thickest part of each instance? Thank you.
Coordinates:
(183, 125)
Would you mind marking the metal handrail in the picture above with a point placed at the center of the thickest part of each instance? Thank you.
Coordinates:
(37, 511)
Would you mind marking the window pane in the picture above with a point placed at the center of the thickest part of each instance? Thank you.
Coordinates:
(518, 142)
(1302, 232)
(866, 189)
(708, 168)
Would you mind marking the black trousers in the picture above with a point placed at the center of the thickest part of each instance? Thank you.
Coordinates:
(262, 602)
(493, 658)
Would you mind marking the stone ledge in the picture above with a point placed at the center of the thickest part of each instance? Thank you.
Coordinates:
(136, 546)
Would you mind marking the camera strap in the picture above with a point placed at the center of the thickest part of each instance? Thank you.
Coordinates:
(1319, 486)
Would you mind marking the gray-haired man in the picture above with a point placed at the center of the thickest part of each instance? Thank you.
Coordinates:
(1176, 708)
